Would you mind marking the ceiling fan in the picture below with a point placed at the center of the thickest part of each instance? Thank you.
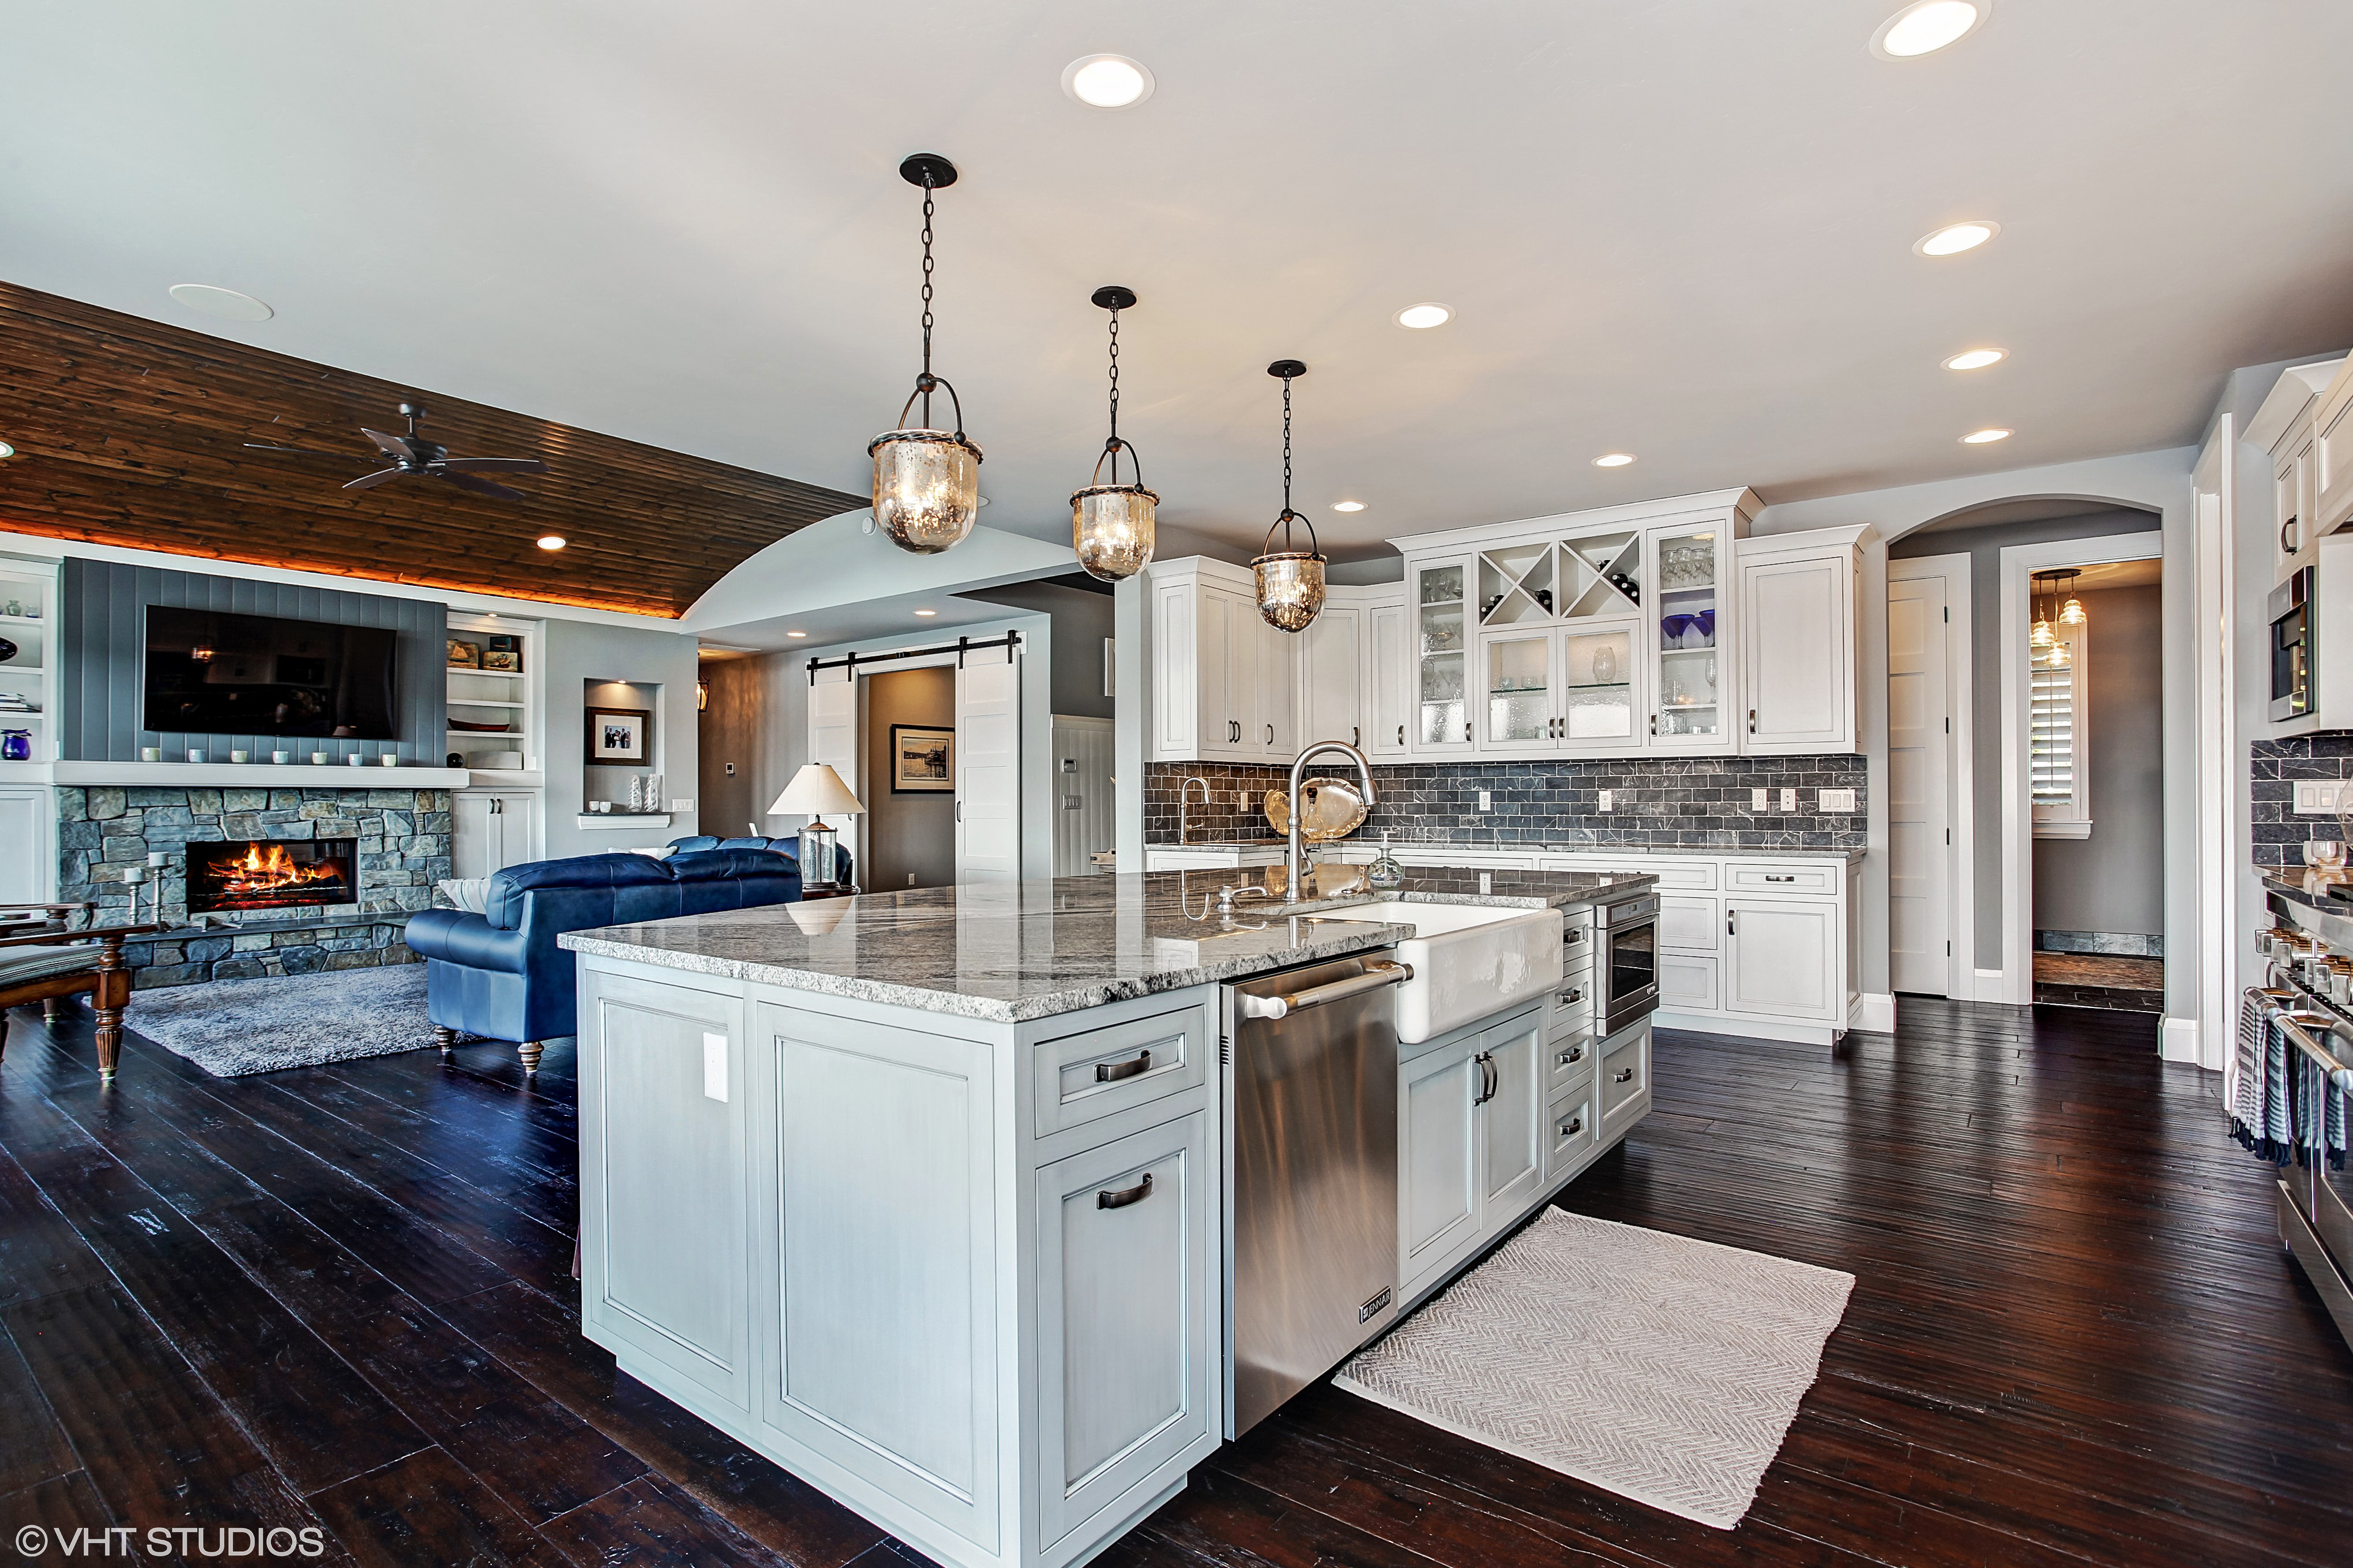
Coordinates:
(414, 457)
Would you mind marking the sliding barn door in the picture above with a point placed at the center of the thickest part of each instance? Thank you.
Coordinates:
(989, 767)
(833, 739)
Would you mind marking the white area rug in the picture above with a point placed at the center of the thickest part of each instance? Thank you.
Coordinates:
(1664, 1369)
(232, 1027)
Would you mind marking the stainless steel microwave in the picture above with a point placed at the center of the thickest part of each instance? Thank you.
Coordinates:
(2296, 646)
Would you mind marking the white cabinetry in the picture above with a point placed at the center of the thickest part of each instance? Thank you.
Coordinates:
(1222, 679)
(29, 618)
(1796, 641)
(28, 868)
(2312, 473)
(1389, 660)
(1331, 662)
(493, 829)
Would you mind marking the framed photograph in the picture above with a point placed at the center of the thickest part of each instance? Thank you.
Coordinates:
(620, 737)
(922, 761)
(501, 658)
(464, 655)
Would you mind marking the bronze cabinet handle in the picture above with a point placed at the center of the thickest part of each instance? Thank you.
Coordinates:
(1626, 1075)
(1488, 1080)
(1572, 996)
(1572, 1127)
(1572, 1056)
(1111, 1072)
(1107, 1199)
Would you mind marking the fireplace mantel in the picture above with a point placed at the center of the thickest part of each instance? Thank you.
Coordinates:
(233, 775)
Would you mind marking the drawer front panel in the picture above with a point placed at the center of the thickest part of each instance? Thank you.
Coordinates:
(1569, 1006)
(1572, 1131)
(1567, 1058)
(1688, 924)
(1785, 876)
(1625, 1070)
(1687, 984)
(1079, 1078)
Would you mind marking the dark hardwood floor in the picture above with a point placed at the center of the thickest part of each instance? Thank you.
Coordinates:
(341, 1298)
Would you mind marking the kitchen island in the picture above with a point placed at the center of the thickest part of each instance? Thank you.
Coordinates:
(922, 1194)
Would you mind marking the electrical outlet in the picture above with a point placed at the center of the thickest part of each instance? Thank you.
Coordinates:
(2322, 797)
(1834, 801)
(1486, 883)
(1486, 802)
(1757, 801)
(1601, 802)
(1788, 800)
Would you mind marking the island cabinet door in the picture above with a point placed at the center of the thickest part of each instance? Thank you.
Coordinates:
(664, 1189)
(1511, 1132)
(1437, 1172)
(1123, 1291)
(879, 1248)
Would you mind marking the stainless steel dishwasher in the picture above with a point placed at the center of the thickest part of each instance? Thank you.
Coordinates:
(1310, 1100)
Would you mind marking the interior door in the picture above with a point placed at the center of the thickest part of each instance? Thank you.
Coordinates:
(989, 767)
(833, 741)
(1919, 817)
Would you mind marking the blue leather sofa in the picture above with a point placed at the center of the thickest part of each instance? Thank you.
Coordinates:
(500, 974)
(842, 863)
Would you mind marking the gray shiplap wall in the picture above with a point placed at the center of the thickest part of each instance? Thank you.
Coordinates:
(99, 691)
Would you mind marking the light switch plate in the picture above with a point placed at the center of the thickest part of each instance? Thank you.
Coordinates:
(714, 1067)
(680, 804)
(1757, 801)
(1788, 800)
(1601, 802)
(2321, 797)
(1836, 800)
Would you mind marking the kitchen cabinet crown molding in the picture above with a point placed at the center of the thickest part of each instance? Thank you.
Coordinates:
(1742, 501)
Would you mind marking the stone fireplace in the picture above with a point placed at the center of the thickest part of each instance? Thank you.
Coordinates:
(230, 877)
(351, 865)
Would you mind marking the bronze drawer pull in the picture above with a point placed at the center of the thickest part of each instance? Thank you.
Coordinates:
(1107, 1199)
(1572, 996)
(1572, 1056)
(1572, 1127)
(1111, 1072)
(1626, 1076)
(1771, 876)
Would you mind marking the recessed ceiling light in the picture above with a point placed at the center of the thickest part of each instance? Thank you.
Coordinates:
(797, 634)
(1428, 313)
(1107, 81)
(1976, 359)
(927, 611)
(1980, 438)
(1347, 506)
(1927, 26)
(227, 304)
(1613, 459)
(1955, 237)
(550, 541)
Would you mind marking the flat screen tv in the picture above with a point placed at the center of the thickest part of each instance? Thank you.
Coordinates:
(209, 673)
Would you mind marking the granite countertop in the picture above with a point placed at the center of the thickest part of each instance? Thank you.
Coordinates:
(1010, 952)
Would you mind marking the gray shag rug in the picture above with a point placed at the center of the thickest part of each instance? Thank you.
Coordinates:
(233, 1027)
(1662, 1369)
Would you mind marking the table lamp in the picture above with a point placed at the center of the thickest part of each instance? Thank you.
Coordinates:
(815, 790)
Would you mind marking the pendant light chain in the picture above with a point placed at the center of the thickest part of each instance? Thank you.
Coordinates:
(1113, 446)
(925, 381)
(1286, 463)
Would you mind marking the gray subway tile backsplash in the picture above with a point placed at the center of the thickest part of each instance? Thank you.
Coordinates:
(2272, 768)
(1690, 803)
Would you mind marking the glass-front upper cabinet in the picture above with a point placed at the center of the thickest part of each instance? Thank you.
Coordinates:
(1597, 686)
(1518, 708)
(1441, 645)
(1688, 677)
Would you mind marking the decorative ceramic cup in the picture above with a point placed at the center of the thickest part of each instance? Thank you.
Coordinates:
(196, 754)
(320, 759)
(389, 760)
(241, 756)
(150, 753)
(281, 758)
(356, 761)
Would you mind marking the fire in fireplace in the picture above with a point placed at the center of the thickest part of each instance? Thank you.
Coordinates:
(276, 874)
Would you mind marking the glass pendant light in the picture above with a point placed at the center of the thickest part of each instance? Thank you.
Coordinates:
(1290, 582)
(1111, 525)
(2071, 613)
(926, 481)
(2039, 637)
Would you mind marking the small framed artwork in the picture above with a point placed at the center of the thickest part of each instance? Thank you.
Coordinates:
(501, 658)
(922, 759)
(464, 655)
(620, 737)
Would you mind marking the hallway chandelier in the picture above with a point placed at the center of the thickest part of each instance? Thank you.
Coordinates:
(2045, 647)
(1290, 582)
(926, 481)
(1111, 525)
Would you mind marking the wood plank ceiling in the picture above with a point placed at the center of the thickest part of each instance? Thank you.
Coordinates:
(130, 432)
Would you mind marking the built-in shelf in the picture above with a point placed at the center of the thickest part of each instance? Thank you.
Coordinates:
(484, 702)
(486, 734)
(623, 819)
(23, 620)
(314, 775)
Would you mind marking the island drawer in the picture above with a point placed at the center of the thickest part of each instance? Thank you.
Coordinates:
(1625, 1070)
(1093, 1073)
(1571, 1130)
(1567, 1059)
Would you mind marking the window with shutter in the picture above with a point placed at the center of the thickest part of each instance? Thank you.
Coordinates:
(2059, 736)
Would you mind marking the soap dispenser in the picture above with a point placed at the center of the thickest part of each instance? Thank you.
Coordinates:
(1385, 873)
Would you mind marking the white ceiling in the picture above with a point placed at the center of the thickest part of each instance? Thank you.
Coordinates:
(1681, 230)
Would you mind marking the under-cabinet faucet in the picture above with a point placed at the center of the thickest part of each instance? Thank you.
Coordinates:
(1294, 852)
(1184, 793)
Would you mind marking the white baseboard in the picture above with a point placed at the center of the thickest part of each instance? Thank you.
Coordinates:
(1745, 1028)
(1992, 985)
(1873, 1011)
(2177, 1040)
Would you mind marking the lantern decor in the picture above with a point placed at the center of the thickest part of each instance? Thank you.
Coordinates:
(926, 481)
(1290, 582)
(1111, 524)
